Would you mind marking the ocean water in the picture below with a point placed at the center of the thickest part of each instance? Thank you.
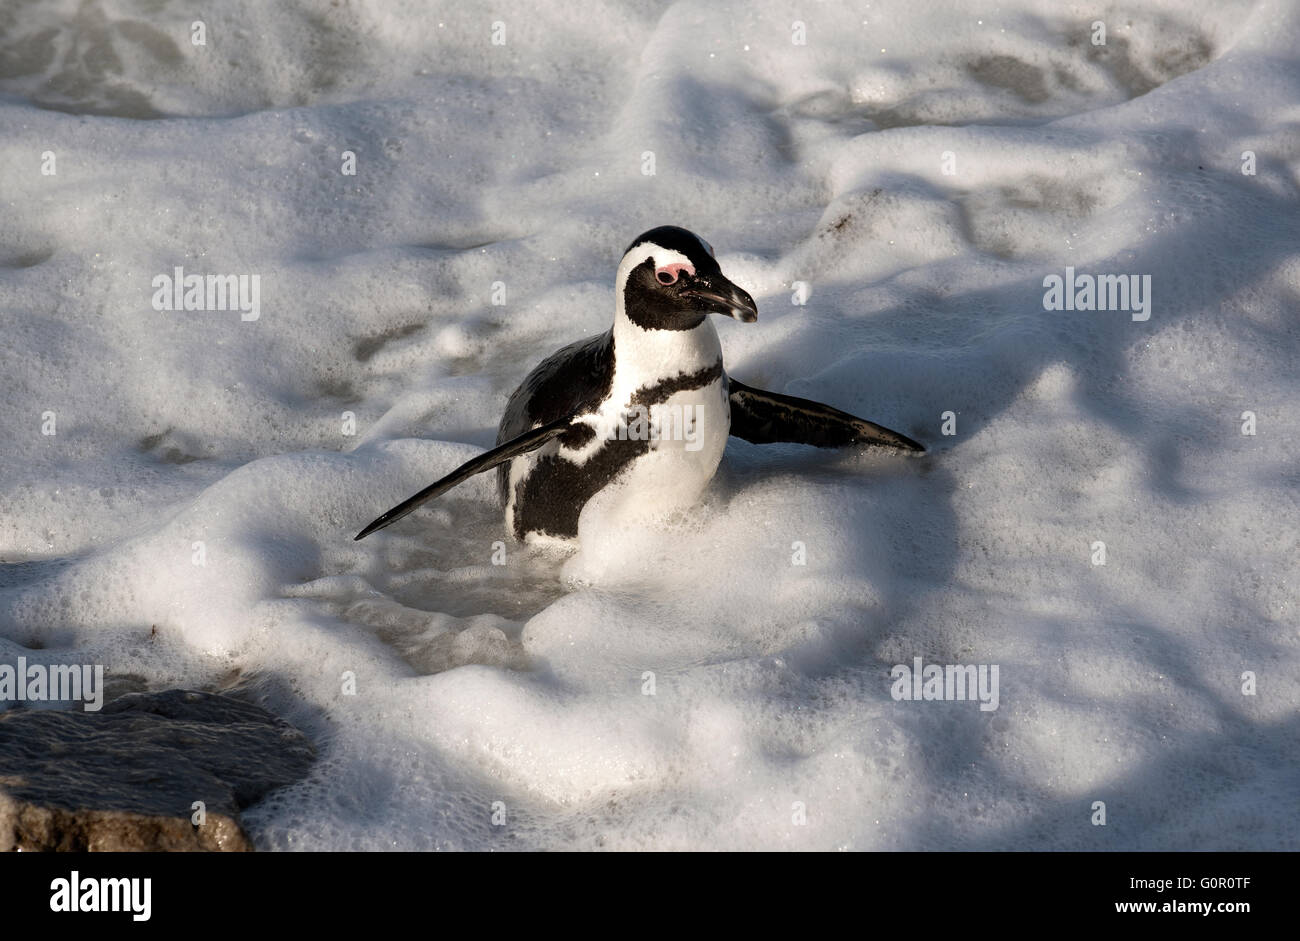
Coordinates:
(179, 488)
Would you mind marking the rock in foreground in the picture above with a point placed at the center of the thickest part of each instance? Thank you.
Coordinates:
(126, 778)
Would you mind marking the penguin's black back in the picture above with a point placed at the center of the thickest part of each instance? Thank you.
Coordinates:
(571, 381)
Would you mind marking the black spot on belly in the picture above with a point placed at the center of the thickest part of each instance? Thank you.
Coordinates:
(550, 499)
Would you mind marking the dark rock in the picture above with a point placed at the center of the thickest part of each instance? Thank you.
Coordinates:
(125, 778)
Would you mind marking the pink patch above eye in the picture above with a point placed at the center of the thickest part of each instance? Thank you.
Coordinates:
(669, 274)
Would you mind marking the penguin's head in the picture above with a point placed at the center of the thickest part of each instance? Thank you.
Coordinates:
(669, 280)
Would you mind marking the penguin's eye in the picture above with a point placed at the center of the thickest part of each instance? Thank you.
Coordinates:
(669, 274)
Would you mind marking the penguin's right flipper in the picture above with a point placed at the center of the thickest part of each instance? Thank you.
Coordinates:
(528, 441)
(763, 417)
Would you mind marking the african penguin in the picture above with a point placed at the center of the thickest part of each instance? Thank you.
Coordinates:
(636, 419)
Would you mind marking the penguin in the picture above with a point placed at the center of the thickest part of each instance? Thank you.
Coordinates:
(636, 419)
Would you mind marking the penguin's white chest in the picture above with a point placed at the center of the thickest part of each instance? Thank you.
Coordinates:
(685, 436)
(675, 401)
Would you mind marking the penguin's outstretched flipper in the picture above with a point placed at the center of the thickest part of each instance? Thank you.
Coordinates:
(768, 417)
(528, 441)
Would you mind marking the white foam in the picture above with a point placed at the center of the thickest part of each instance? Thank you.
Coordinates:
(686, 684)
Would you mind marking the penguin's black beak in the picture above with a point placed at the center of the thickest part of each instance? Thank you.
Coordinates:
(716, 295)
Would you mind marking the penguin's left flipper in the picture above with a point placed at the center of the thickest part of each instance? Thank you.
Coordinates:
(528, 441)
(764, 417)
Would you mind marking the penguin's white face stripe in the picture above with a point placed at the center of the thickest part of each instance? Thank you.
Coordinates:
(663, 258)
